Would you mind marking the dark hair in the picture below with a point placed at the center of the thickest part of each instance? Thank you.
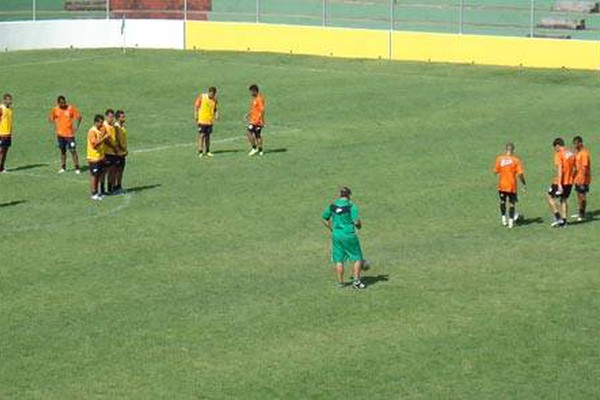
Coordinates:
(61, 98)
(577, 139)
(212, 89)
(98, 118)
(109, 111)
(558, 142)
(345, 191)
(119, 113)
(253, 87)
(7, 96)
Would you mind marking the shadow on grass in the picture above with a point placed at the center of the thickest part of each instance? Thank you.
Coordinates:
(279, 150)
(84, 168)
(227, 151)
(12, 203)
(30, 166)
(372, 280)
(530, 221)
(142, 188)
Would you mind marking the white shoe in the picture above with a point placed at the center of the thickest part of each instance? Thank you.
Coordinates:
(261, 153)
(62, 171)
(558, 223)
(4, 171)
(96, 197)
(78, 171)
(504, 221)
(517, 216)
(253, 152)
(511, 223)
(209, 154)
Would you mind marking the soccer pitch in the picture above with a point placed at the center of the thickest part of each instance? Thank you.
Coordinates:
(211, 278)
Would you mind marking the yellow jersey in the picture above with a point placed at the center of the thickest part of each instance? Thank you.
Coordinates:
(207, 108)
(6, 120)
(121, 140)
(95, 152)
(110, 144)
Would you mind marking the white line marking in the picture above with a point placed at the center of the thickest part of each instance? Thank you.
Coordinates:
(125, 204)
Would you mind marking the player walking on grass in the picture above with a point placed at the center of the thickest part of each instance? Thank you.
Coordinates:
(341, 218)
(95, 155)
(256, 121)
(583, 175)
(564, 164)
(121, 133)
(508, 167)
(110, 152)
(66, 119)
(6, 128)
(206, 112)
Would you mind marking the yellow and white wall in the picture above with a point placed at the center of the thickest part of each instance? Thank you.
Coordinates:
(289, 39)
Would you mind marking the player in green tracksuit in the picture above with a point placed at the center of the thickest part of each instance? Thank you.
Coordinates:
(341, 218)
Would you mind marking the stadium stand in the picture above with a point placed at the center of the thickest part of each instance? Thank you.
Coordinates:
(586, 7)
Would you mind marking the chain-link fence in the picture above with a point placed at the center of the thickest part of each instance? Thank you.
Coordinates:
(543, 18)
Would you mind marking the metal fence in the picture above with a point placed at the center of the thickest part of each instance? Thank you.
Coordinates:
(484, 17)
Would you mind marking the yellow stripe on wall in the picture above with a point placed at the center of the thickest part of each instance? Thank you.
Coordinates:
(407, 46)
(350, 43)
(493, 50)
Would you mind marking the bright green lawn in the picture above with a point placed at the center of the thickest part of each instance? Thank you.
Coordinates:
(213, 281)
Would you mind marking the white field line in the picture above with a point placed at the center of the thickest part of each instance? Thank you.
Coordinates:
(224, 140)
(34, 227)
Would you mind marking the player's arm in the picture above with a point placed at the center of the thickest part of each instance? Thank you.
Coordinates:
(216, 110)
(355, 218)
(197, 105)
(78, 119)
(326, 218)
(559, 176)
(327, 223)
(522, 179)
(118, 137)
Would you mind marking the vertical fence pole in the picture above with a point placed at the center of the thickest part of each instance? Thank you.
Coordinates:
(185, 10)
(324, 16)
(461, 10)
(257, 11)
(391, 33)
(107, 9)
(33, 7)
(532, 21)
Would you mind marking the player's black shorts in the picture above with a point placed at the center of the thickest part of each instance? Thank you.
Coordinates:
(96, 168)
(256, 130)
(583, 189)
(110, 160)
(122, 160)
(507, 196)
(66, 143)
(566, 192)
(5, 142)
(205, 129)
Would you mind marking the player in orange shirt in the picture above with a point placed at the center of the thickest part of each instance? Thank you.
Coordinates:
(583, 175)
(256, 121)
(564, 164)
(66, 119)
(508, 167)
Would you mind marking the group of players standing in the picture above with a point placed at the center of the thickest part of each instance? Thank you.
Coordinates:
(572, 170)
(106, 143)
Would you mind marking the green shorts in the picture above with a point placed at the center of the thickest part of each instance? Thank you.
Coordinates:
(345, 248)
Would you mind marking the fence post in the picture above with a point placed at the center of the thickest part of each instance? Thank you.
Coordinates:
(391, 33)
(532, 21)
(257, 11)
(324, 13)
(461, 9)
(185, 10)
(107, 9)
(33, 7)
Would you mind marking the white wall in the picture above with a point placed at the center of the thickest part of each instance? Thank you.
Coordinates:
(30, 35)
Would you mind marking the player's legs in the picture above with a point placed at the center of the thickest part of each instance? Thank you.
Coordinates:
(554, 207)
(63, 159)
(582, 200)
(199, 143)
(3, 153)
(259, 139)
(75, 158)
(511, 212)
(339, 272)
(95, 176)
(251, 142)
(120, 170)
(502, 205)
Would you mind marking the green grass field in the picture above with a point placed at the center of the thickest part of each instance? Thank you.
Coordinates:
(211, 279)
